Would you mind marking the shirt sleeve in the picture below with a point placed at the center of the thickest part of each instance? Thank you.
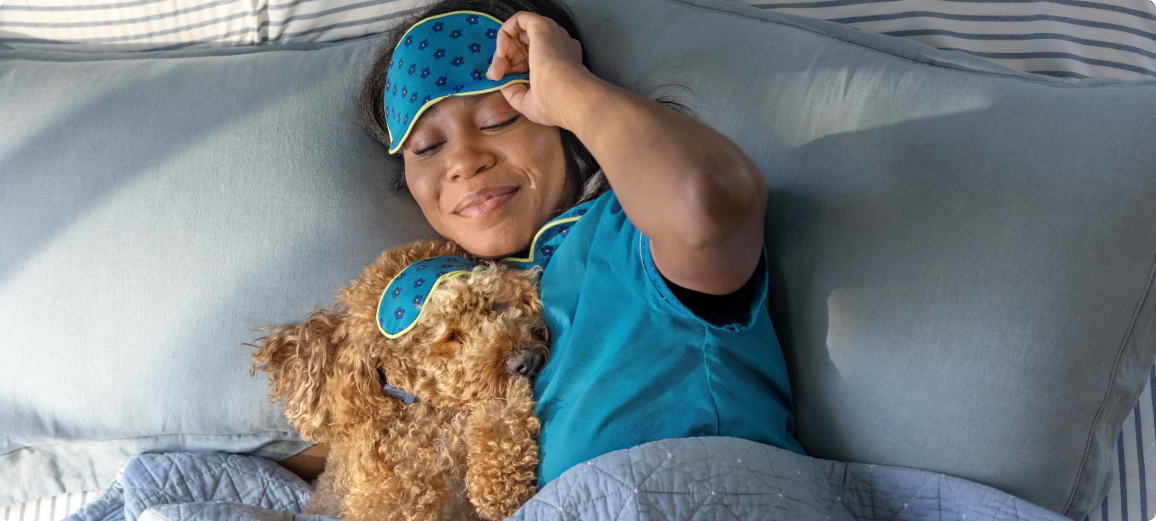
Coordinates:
(733, 312)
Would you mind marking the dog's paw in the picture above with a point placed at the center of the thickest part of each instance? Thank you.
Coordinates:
(503, 454)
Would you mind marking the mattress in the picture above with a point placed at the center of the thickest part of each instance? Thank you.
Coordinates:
(1071, 39)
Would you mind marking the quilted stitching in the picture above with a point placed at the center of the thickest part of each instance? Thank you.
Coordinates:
(669, 480)
(155, 479)
(728, 478)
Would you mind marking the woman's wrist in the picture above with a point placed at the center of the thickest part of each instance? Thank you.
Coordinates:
(569, 93)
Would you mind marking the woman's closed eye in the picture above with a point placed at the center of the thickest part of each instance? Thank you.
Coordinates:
(429, 149)
(503, 124)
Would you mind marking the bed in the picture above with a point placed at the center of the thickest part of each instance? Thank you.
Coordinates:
(1069, 41)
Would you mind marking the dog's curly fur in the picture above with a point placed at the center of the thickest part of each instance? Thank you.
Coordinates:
(466, 449)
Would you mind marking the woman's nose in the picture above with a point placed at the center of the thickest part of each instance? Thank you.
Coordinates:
(469, 158)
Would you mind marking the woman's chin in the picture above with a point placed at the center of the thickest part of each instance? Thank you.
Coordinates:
(488, 247)
(506, 237)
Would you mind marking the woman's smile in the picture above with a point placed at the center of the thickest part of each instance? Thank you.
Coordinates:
(484, 201)
(485, 177)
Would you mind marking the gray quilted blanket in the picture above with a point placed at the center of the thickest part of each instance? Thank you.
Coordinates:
(729, 478)
(684, 479)
(200, 486)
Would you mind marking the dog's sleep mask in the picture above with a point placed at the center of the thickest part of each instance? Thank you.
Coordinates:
(403, 300)
(440, 56)
(405, 296)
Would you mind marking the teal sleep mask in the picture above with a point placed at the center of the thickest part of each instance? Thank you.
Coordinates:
(401, 304)
(440, 56)
(404, 298)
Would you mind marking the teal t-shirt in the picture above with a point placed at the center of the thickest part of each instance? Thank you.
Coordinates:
(630, 364)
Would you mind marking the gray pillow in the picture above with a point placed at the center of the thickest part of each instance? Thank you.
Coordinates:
(962, 254)
(156, 207)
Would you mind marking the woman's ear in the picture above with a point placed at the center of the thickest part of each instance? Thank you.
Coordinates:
(300, 359)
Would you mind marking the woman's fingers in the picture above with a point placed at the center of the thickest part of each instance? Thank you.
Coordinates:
(518, 96)
(527, 37)
(512, 54)
(527, 42)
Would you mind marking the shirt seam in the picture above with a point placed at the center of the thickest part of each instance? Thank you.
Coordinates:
(710, 388)
(662, 305)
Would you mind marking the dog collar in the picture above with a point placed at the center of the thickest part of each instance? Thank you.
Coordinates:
(401, 304)
(440, 56)
(391, 391)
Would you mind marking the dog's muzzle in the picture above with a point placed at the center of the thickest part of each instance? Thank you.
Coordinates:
(528, 362)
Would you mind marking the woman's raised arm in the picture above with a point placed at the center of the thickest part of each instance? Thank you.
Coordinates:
(685, 186)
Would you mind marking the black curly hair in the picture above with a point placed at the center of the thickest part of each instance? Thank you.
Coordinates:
(580, 164)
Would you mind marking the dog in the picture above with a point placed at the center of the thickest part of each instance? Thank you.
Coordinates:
(435, 424)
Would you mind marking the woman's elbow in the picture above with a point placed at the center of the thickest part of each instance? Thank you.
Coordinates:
(725, 203)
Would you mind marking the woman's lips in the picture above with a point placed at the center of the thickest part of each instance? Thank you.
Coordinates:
(484, 201)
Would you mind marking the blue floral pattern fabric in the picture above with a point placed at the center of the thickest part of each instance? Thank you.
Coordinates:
(441, 56)
(401, 302)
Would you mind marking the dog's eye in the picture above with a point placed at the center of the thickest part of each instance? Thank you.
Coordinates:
(423, 373)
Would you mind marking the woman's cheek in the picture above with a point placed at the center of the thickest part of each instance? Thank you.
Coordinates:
(423, 191)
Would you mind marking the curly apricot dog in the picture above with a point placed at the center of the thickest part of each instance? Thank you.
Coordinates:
(465, 448)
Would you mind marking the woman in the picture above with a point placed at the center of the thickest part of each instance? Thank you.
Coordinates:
(655, 299)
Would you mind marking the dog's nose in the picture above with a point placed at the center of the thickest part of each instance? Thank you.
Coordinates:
(528, 363)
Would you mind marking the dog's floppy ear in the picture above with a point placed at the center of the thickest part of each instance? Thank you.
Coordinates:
(314, 375)
(503, 457)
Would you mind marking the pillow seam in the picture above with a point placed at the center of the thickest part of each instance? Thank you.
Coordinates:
(1097, 419)
(103, 440)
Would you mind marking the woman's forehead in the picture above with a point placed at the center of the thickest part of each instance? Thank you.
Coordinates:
(464, 102)
(459, 105)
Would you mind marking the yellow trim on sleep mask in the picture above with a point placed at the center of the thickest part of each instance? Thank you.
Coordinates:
(534, 243)
(431, 102)
(421, 310)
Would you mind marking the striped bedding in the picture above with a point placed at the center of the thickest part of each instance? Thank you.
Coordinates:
(1071, 39)
(144, 25)
(49, 508)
